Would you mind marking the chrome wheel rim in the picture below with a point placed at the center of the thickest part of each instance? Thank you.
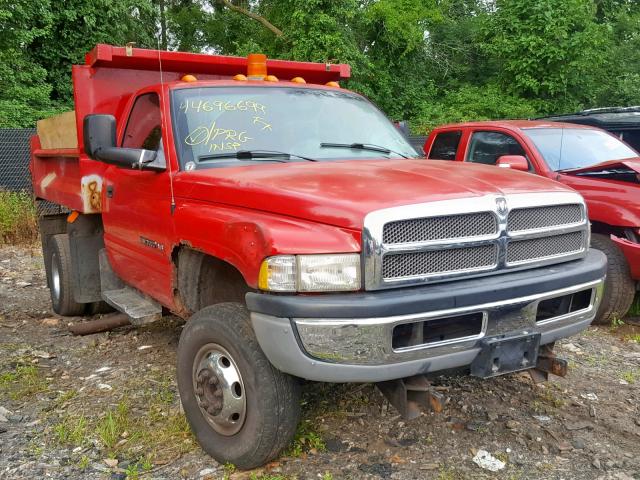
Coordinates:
(55, 277)
(219, 389)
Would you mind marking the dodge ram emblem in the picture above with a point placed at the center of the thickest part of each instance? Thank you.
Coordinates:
(501, 204)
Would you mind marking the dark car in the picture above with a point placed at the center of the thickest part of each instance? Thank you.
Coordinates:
(624, 122)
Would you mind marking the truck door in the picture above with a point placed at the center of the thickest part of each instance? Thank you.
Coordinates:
(487, 146)
(137, 208)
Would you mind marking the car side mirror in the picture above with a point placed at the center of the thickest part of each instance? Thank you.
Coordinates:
(99, 133)
(515, 162)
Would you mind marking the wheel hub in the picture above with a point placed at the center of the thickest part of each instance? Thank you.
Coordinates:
(219, 389)
(209, 391)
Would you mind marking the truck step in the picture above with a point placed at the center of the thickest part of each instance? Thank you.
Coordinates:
(140, 309)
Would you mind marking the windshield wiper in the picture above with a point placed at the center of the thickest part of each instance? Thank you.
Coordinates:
(271, 155)
(363, 146)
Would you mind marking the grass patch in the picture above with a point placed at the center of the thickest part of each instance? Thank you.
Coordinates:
(23, 382)
(72, 430)
(18, 224)
(630, 376)
(305, 440)
(150, 430)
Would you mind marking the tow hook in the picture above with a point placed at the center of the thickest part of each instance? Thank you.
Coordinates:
(410, 395)
(548, 363)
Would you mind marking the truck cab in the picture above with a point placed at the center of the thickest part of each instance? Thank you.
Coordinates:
(301, 237)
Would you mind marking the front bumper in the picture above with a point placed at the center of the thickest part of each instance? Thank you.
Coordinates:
(350, 337)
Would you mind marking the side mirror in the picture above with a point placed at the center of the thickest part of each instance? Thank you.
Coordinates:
(515, 162)
(99, 133)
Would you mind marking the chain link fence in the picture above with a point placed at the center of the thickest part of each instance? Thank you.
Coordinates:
(14, 158)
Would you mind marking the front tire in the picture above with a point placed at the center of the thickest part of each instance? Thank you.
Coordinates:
(240, 408)
(59, 271)
(619, 288)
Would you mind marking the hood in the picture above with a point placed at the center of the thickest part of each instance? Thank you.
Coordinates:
(341, 193)
(611, 166)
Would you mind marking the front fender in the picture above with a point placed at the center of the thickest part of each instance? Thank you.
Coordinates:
(245, 237)
(631, 252)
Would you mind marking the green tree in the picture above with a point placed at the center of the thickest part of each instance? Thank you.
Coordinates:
(24, 91)
(548, 50)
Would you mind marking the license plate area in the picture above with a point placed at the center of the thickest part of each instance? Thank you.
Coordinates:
(500, 355)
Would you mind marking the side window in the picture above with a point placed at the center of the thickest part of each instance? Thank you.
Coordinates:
(144, 125)
(445, 145)
(487, 147)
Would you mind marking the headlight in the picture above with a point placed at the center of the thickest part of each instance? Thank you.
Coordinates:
(310, 273)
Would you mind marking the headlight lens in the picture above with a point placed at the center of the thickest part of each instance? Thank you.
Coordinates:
(310, 273)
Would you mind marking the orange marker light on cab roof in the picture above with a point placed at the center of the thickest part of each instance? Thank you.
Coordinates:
(298, 80)
(240, 78)
(271, 78)
(189, 78)
(256, 66)
(332, 84)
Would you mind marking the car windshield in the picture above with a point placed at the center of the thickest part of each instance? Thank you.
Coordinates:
(569, 148)
(279, 124)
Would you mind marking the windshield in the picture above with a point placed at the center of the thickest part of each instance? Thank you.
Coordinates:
(211, 122)
(569, 148)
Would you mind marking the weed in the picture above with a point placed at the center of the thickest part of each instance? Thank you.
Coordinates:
(631, 376)
(306, 439)
(72, 431)
(447, 473)
(25, 381)
(83, 463)
(134, 470)
(229, 468)
(113, 425)
(633, 338)
(548, 397)
(18, 223)
(616, 323)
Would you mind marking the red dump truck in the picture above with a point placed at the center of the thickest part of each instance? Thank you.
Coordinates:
(301, 236)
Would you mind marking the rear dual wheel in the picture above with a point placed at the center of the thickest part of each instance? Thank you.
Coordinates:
(58, 259)
(240, 408)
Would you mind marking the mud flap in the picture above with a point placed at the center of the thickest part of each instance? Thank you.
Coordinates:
(500, 355)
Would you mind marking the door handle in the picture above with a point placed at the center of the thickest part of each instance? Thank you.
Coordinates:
(109, 191)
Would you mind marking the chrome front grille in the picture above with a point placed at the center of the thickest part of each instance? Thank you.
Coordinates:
(440, 228)
(523, 219)
(450, 239)
(431, 262)
(544, 247)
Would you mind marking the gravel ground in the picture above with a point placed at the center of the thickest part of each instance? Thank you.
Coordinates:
(105, 406)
